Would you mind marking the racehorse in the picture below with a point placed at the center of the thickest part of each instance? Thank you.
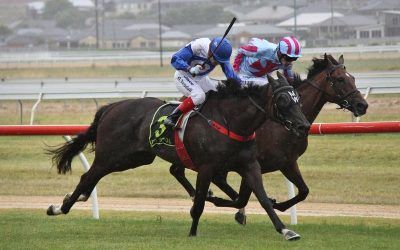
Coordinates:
(327, 81)
(120, 132)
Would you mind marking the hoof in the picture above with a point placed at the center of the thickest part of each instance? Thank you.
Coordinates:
(290, 235)
(50, 210)
(54, 210)
(240, 218)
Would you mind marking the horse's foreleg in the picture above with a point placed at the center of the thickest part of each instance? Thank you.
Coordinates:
(202, 184)
(293, 174)
(178, 171)
(252, 175)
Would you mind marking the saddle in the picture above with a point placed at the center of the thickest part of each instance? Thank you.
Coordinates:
(165, 136)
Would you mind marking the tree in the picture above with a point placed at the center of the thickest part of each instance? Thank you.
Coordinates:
(4, 31)
(54, 7)
(71, 18)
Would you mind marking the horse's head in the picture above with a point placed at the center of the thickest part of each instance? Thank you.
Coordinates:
(339, 85)
(287, 108)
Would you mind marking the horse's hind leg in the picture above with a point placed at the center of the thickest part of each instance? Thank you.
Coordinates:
(178, 171)
(293, 174)
(87, 182)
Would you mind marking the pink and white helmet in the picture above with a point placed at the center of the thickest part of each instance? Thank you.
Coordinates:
(290, 46)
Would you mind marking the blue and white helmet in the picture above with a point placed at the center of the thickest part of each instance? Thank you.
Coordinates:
(290, 46)
(222, 54)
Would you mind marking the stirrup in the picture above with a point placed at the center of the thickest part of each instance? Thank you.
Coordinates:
(169, 122)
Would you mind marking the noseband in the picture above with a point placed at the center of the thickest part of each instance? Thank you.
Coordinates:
(342, 102)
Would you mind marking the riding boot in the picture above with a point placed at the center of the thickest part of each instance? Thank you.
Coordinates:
(183, 108)
(173, 118)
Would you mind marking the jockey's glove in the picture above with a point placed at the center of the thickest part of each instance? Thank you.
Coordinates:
(195, 70)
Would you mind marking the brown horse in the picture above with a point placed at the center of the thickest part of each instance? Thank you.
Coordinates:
(327, 81)
(120, 132)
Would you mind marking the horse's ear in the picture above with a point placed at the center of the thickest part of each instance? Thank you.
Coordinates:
(279, 74)
(328, 61)
(271, 80)
(341, 59)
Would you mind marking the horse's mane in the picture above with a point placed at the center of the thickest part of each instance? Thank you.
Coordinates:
(230, 88)
(319, 65)
(297, 81)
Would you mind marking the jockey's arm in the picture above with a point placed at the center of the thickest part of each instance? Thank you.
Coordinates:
(289, 74)
(251, 51)
(229, 73)
(181, 58)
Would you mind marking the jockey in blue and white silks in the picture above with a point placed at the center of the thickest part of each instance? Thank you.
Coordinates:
(191, 76)
(260, 57)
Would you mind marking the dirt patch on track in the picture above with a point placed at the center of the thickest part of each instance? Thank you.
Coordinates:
(183, 205)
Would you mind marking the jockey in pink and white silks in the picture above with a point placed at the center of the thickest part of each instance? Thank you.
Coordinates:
(260, 57)
(191, 77)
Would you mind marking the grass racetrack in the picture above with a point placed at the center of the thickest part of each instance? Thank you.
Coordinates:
(32, 229)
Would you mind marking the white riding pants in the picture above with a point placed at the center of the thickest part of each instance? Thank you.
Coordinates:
(253, 80)
(195, 87)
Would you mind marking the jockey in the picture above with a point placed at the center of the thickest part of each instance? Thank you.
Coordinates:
(192, 68)
(260, 57)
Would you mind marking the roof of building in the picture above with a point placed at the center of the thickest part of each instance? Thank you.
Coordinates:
(350, 20)
(82, 3)
(380, 5)
(193, 28)
(175, 34)
(144, 26)
(308, 19)
(251, 29)
(269, 13)
(397, 12)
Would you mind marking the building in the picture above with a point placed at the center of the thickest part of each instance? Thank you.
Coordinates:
(241, 33)
(132, 6)
(391, 20)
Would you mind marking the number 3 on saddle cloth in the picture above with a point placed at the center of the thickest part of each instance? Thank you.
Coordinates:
(165, 136)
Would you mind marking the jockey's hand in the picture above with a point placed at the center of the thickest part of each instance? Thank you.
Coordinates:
(195, 70)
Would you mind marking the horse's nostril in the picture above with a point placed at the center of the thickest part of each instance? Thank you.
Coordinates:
(303, 128)
(362, 106)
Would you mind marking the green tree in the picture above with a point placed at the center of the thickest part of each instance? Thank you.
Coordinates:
(71, 18)
(198, 15)
(54, 7)
(4, 31)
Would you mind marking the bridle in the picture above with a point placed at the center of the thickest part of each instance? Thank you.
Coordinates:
(277, 114)
(342, 102)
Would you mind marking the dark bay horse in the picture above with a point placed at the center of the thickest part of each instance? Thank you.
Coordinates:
(327, 81)
(120, 132)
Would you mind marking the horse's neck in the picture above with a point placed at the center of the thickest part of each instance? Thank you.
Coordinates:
(238, 116)
(312, 99)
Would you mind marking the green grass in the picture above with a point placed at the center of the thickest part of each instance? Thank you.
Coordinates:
(32, 229)
(340, 169)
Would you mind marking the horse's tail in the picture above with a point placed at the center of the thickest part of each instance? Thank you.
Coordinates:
(63, 155)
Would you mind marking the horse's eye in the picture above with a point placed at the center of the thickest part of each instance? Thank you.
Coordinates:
(283, 101)
(341, 80)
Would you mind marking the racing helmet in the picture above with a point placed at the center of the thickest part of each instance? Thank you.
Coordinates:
(222, 54)
(290, 47)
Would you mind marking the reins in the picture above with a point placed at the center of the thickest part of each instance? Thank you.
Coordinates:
(343, 103)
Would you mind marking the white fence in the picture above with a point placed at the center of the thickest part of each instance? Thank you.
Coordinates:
(57, 89)
(118, 56)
